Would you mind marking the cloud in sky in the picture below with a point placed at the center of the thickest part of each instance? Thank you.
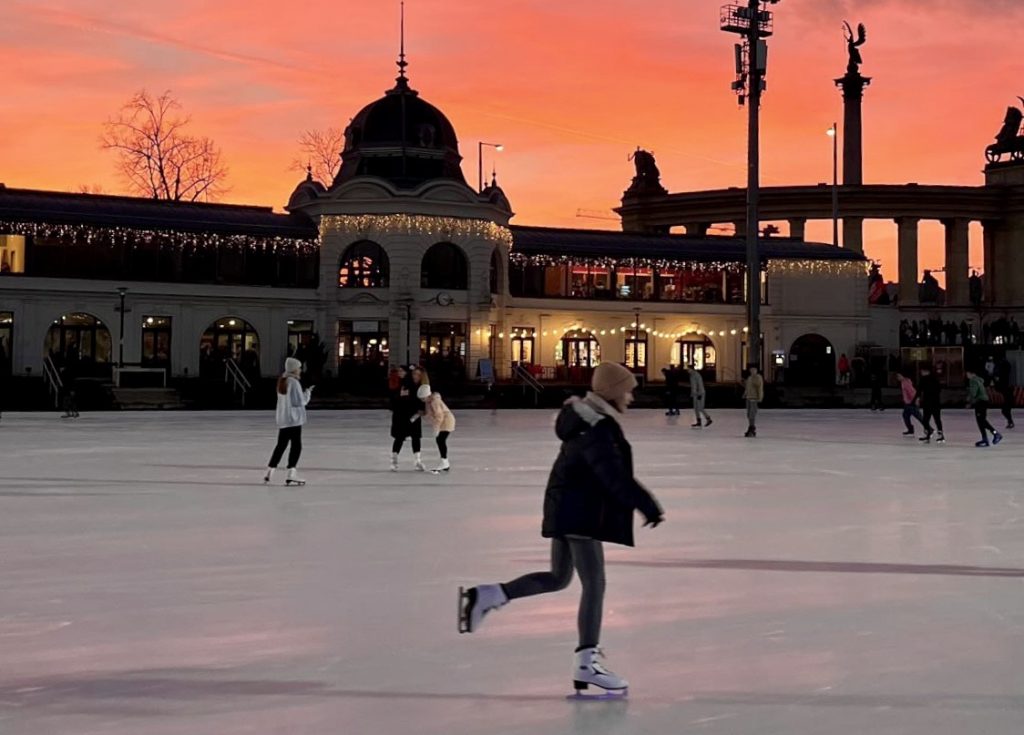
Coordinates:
(570, 88)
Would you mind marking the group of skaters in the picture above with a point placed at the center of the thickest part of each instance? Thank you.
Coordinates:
(923, 402)
(753, 395)
(412, 401)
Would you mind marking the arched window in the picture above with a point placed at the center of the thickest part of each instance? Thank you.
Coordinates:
(78, 339)
(495, 275)
(578, 348)
(229, 338)
(812, 361)
(444, 266)
(699, 351)
(364, 265)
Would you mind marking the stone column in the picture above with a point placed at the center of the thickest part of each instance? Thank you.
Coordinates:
(700, 229)
(853, 234)
(988, 277)
(798, 228)
(957, 256)
(908, 259)
(853, 85)
(741, 227)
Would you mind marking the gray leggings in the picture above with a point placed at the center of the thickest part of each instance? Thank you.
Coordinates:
(698, 407)
(587, 555)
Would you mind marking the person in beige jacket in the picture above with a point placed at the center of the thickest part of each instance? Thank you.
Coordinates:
(443, 421)
(753, 394)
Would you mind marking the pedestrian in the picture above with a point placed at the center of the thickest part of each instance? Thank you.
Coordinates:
(990, 369)
(977, 396)
(1004, 385)
(405, 418)
(290, 416)
(590, 498)
(443, 421)
(929, 398)
(877, 381)
(671, 374)
(844, 369)
(753, 394)
(697, 393)
(910, 409)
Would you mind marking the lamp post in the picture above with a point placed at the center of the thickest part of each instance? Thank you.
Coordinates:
(833, 133)
(122, 292)
(480, 160)
(636, 337)
(752, 22)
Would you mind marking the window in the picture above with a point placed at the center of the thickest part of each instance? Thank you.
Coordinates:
(229, 338)
(365, 341)
(523, 345)
(12, 254)
(696, 350)
(300, 336)
(444, 266)
(636, 350)
(78, 339)
(364, 265)
(578, 348)
(6, 342)
(156, 341)
(442, 340)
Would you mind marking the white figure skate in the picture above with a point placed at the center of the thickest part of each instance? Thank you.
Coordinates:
(476, 602)
(587, 670)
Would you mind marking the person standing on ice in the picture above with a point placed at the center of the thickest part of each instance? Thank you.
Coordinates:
(405, 418)
(1003, 382)
(590, 498)
(443, 421)
(291, 416)
(698, 395)
(929, 397)
(910, 409)
(753, 394)
(977, 396)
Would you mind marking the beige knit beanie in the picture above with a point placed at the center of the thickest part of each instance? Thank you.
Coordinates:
(611, 381)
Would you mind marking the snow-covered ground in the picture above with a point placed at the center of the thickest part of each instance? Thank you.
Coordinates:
(828, 577)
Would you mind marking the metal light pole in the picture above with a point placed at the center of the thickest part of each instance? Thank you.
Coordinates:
(121, 291)
(636, 335)
(833, 133)
(753, 22)
(480, 160)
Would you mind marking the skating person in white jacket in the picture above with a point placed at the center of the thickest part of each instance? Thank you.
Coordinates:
(291, 415)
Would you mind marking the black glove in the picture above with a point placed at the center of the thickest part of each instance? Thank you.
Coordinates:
(654, 522)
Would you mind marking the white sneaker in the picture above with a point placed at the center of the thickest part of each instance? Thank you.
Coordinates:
(476, 602)
(394, 462)
(588, 670)
(443, 467)
(293, 478)
(269, 476)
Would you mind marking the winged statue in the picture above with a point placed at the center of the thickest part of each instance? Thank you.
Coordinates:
(853, 44)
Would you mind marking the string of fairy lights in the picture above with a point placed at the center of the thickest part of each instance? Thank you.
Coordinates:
(628, 331)
(78, 234)
(786, 266)
(445, 228)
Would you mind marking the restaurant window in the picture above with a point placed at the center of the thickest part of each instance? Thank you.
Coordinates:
(578, 348)
(696, 350)
(523, 345)
(300, 336)
(365, 341)
(156, 341)
(12, 254)
(636, 350)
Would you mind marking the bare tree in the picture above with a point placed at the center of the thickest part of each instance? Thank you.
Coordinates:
(157, 157)
(90, 189)
(321, 152)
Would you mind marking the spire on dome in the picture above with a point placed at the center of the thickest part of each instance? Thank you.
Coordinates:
(401, 82)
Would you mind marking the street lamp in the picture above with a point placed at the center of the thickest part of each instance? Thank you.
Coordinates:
(480, 160)
(121, 291)
(833, 133)
(752, 21)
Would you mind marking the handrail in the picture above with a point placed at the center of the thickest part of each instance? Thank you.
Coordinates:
(234, 372)
(520, 371)
(52, 378)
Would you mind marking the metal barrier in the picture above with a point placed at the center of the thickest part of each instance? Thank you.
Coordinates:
(241, 384)
(521, 372)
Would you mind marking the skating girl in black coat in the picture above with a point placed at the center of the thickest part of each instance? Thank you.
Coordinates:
(405, 418)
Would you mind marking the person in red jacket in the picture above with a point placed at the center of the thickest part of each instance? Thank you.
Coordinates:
(591, 498)
(844, 370)
(910, 409)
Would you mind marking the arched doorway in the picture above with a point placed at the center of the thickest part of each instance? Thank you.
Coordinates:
(229, 338)
(697, 350)
(80, 343)
(812, 362)
(576, 356)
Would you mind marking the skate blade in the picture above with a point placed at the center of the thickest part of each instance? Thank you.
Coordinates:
(295, 482)
(610, 695)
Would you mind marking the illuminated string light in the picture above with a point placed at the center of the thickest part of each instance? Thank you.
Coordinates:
(444, 228)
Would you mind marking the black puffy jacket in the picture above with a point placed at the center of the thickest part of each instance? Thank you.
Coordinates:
(591, 491)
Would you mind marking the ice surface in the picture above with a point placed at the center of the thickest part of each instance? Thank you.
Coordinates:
(828, 577)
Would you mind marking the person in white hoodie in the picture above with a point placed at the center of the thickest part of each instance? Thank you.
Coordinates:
(291, 415)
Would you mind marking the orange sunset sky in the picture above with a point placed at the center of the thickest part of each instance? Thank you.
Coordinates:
(569, 87)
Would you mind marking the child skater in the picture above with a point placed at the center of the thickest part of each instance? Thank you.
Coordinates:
(443, 421)
(590, 498)
(291, 415)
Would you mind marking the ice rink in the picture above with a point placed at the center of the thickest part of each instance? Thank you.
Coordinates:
(828, 577)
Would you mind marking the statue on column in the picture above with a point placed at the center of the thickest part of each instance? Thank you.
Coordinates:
(853, 44)
(1010, 138)
(648, 177)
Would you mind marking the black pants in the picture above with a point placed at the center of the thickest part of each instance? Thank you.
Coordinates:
(396, 445)
(292, 435)
(981, 416)
(442, 443)
(929, 413)
(1007, 407)
(876, 398)
(587, 556)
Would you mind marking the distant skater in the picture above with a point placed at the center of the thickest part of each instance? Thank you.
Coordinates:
(291, 416)
(443, 421)
(910, 409)
(699, 396)
(671, 374)
(977, 396)
(753, 394)
(1003, 383)
(405, 418)
(929, 398)
(877, 381)
(590, 498)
